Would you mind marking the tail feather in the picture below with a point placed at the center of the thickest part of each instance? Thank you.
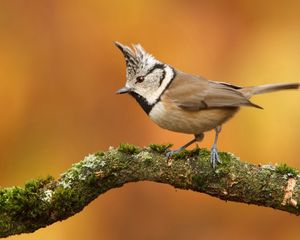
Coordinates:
(250, 91)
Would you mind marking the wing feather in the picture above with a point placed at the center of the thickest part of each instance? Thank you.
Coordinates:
(193, 93)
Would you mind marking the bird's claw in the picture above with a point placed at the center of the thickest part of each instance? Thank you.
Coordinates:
(214, 157)
(171, 153)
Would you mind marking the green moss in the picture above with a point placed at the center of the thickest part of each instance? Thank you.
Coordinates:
(184, 154)
(34, 185)
(225, 158)
(92, 179)
(160, 148)
(148, 162)
(286, 170)
(196, 151)
(128, 148)
(22, 205)
(65, 201)
(99, 154)
(298, 205)
(204, 153)
(200, 181)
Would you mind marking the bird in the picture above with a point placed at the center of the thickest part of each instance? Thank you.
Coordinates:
(183, 102)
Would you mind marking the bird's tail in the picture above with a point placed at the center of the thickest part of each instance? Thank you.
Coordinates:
(250, 91)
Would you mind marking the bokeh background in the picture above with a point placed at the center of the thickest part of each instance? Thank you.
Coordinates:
(59, 71)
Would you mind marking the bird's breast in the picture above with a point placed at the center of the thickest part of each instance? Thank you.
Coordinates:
(169, 116)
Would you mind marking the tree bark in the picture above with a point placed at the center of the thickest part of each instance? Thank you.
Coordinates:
(45, 201)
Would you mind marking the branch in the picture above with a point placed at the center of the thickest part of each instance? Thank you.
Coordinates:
(45, 201)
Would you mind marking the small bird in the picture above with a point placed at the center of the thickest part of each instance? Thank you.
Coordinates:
(183, 102)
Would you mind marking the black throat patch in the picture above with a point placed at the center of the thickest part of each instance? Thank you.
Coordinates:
(143, 102)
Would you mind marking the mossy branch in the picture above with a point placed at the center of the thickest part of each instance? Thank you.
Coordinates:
(45, 201)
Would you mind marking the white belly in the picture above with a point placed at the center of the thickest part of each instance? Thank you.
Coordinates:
(175, 119)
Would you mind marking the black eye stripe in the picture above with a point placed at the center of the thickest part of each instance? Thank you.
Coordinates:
(162, 77)
(156, 66)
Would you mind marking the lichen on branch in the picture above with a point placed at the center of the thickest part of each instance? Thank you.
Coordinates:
(42, 202)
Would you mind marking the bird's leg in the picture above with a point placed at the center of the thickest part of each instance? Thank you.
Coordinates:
(198, 137)
(214, 156)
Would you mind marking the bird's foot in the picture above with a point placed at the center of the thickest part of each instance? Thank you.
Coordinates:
(171, 153)
(214, 156)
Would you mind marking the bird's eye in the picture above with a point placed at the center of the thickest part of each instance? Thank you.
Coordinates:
(140, 79)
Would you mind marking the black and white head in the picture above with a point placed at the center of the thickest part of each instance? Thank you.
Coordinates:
(146, 77)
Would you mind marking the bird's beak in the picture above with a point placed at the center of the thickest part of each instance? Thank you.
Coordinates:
(123, 90)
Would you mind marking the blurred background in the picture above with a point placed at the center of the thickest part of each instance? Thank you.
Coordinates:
(59, 71)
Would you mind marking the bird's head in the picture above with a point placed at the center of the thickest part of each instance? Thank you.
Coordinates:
(146, 77)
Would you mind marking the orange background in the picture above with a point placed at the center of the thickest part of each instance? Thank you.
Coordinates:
(59, 70)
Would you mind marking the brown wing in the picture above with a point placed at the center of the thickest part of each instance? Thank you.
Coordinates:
(193, 93)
